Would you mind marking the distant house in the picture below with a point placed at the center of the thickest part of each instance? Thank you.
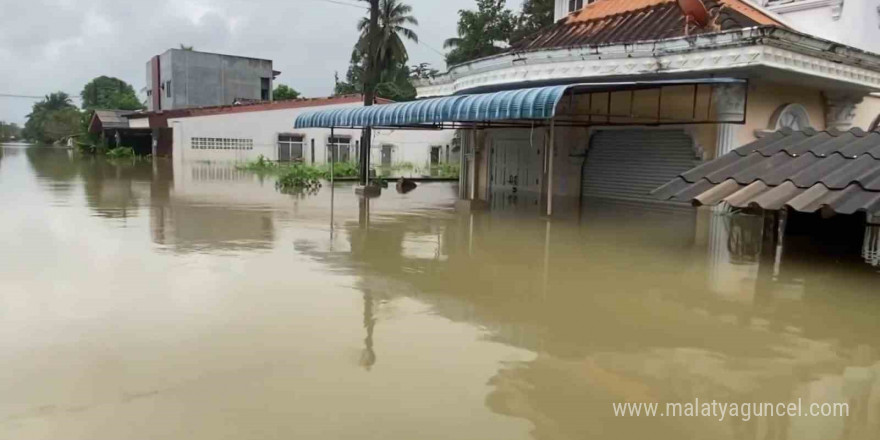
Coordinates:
(181, 78)
(114, 130)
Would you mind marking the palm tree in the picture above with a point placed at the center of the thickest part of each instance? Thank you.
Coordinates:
(56, 101)
(380, 47)
(393, 18)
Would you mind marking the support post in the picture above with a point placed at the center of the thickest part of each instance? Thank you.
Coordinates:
(462, 164)
(364, 162)
(472, 167)
(332, 154)
(730, 107)
(551, 149)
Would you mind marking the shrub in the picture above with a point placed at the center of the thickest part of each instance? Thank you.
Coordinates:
(299, 178)
(121, 153)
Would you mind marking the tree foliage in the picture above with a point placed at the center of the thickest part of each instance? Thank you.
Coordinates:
(52, 119)
(105, 92)
(535, 15)
(481, 33)
(9, 131)
(284, 93)
(393, 77)
(492, 28)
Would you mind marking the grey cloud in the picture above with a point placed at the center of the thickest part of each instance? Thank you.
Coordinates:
(49, 45)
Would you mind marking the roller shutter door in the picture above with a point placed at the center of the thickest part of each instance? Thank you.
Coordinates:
(628, 164)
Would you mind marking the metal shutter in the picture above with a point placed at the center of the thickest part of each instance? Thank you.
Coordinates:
(629, 164)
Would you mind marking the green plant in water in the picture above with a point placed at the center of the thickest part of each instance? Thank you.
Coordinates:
(298, 179)
(340, 169)
(121, 153)
(445, 170)
(261, 165)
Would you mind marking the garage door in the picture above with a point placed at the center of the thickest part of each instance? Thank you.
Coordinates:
(629, 164)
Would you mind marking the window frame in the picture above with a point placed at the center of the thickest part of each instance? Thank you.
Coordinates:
(290, 143)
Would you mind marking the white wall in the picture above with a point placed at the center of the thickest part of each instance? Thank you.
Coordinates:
(858, 25)
(263, 128)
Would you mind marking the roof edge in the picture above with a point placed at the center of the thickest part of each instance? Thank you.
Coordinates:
(769, 35)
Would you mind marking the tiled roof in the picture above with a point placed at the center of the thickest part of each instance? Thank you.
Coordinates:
(625, 21)
(802, 170)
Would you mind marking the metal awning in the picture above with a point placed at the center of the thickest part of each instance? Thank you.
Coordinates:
(528, 106)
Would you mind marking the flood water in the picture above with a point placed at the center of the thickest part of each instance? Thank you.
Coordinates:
(152, 302)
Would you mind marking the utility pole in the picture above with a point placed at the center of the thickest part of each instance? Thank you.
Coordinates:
(371, 79)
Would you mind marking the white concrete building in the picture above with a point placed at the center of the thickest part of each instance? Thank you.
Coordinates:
(246, 132)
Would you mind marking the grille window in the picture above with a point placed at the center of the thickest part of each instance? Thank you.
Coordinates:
(206, 143)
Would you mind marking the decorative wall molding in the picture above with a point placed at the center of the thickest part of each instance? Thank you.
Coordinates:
(840, 109)
(729, 101)
(836, 10)
(786, 6)
(793, 116)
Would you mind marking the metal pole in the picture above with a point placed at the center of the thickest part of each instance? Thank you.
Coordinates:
(472, 174)
(550, 152)
(462, 163)
(332, 154)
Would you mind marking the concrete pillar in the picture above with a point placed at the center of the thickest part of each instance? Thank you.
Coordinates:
(462, 164)
(840, 109)
(730, 100)
(472, 165)
(551, 150)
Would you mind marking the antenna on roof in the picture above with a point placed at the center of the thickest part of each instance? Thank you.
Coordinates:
(695, 12)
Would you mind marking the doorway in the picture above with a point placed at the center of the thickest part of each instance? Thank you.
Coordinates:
(515, 173)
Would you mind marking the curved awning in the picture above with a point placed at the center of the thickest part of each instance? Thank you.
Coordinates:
(533, 103)
(517, 107)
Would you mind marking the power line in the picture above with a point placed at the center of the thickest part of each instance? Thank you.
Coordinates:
(9, 95)
(338, 2)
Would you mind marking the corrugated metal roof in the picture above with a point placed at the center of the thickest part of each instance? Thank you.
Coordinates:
(626, 21)
(802, 170)
(535, 103)
(113, 118)
(531, 103)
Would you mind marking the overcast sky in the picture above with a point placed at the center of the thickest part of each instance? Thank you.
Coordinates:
(50, 45)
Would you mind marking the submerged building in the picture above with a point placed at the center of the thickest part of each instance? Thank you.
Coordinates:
(245, 132)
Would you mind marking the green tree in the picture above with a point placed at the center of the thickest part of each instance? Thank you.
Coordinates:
(389, 47)
(392, 81)
(535, 15)
(481, 33)
(105, 92)
(284, 93)
(52, 119)
(9, 131)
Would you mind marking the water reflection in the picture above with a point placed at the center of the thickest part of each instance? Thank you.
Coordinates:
(397, 317)
(871, 247)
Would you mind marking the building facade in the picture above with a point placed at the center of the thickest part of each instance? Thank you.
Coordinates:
(794, 80)
(246, 132)
(181, 78)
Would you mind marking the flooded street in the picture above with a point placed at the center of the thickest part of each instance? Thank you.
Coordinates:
(142, 301)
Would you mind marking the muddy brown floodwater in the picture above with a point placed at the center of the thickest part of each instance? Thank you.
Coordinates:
(146, 302)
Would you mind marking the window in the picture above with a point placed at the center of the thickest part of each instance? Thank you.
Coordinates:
(793, 116)
(290, 147)
(264, 89)
(168, 89)
(340, 148)
(205, 143)
(574, 5)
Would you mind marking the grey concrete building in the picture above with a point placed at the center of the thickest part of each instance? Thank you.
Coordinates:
(185, 78)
